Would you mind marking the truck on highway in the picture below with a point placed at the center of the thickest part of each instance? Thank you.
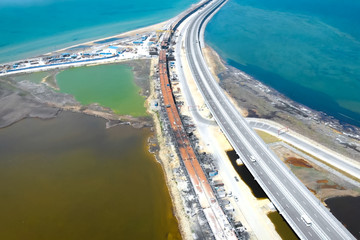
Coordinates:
(306, 220)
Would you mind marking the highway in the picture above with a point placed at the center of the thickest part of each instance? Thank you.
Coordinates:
(347, 165)
(287, 193)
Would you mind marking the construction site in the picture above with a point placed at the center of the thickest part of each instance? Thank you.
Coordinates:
(206, 198)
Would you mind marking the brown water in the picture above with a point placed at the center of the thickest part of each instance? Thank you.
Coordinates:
(282, 227)
(70, 178)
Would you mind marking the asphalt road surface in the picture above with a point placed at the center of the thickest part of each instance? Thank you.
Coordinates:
(287, 193)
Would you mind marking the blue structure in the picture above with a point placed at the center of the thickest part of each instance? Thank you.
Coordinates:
(138, 42)
(213, 173)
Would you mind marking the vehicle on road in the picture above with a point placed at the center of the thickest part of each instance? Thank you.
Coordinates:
(306, 220)
(252, 158)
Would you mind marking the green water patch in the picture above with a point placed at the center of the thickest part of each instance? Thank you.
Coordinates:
(110, 86)
(71, 178)
(281, 227)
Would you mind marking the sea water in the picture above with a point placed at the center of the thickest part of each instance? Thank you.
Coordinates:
(306, 49)
(32, 27)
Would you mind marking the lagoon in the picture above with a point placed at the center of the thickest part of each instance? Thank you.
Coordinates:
(110, 86)
(71, 178)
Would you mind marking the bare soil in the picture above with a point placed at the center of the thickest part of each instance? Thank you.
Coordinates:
(319, 181)
(298, 162)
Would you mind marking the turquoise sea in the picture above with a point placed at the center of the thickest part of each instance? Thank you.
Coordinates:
(32, 27)
(306, 49)
(309, 50)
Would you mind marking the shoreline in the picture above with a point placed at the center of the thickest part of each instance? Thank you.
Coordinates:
(26, 99)
(140, 30)
(113, 119)
(321, 117)
(91, 46)
(124, 34)
(260, 101)
(261, 112)
(178, 211)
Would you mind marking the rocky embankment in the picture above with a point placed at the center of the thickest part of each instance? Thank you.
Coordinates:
(260, 101)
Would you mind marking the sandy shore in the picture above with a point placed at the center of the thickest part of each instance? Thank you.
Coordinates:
(143, 30)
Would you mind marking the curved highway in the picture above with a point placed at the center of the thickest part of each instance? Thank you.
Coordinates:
(306, 215)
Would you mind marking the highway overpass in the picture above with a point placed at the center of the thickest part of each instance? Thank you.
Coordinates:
(305, 214)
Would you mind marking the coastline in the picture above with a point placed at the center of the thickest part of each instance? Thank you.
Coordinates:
(320, 132)
(81, 47)
(220, 68)
(223, 71)
(257, 100)
(150, 28)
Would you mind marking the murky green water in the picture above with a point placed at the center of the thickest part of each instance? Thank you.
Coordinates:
(109, 85)
(282, 227)
(70, 178)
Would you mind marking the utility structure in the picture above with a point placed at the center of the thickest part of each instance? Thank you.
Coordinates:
(161, 31)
